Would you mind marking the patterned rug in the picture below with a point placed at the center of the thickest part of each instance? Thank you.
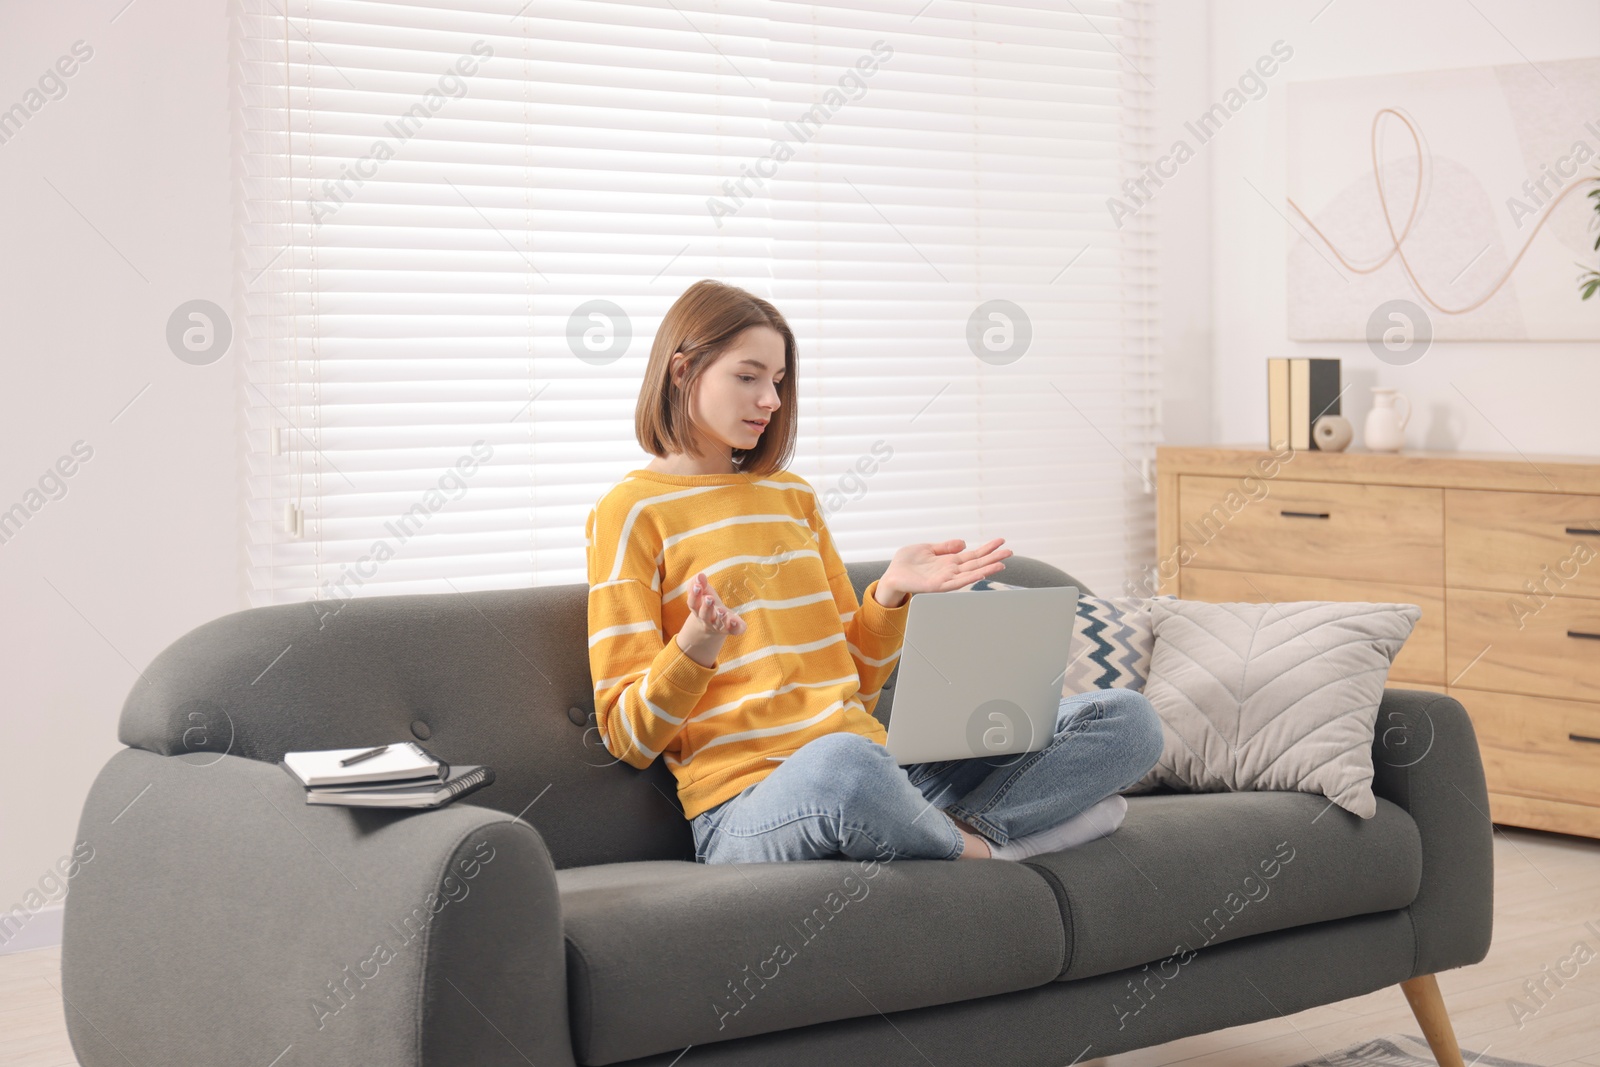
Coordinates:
(1401, 1050)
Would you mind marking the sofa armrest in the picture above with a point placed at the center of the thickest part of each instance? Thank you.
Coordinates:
(1425, 759)
(220, 919)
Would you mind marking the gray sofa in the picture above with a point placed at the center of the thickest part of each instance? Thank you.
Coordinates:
(557, 917)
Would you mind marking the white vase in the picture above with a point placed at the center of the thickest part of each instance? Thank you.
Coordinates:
(1386, 426)
(1332, 433)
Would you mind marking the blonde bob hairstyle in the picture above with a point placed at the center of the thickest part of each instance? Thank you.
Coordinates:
(703, 323)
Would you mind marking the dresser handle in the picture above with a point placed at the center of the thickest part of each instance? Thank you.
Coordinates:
(1583, 531)
(1305, 514)
(1580, 633)
(1581, 737)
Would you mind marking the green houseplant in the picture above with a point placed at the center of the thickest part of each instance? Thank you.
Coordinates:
(1589, 280)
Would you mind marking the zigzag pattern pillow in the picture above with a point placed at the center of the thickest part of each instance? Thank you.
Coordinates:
(1112, 639)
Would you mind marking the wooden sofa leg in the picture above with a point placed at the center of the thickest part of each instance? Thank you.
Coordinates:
(1422, 992)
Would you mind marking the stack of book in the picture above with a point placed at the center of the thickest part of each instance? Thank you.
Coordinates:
(1299, 392)
(388, 776)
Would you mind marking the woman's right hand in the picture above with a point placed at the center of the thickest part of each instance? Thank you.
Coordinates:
(706, 608)
(710, 622)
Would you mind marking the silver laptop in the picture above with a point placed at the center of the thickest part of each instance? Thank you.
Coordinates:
(981, 673)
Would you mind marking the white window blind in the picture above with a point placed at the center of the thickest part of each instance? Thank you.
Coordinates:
(433, 196)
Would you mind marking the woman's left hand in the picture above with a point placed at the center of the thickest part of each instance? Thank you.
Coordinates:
(939, 568)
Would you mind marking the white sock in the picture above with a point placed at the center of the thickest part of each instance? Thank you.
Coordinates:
(1093, 822)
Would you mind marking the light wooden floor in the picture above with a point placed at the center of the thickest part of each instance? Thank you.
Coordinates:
(1546, 887)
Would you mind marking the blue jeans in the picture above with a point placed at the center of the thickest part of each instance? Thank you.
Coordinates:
(843, 794)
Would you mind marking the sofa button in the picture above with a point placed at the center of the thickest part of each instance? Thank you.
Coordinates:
(578, 716)
(420, 729)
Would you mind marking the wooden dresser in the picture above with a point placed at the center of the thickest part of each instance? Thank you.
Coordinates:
(1501, 552)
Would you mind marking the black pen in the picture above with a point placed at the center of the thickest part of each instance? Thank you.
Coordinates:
(359, 756)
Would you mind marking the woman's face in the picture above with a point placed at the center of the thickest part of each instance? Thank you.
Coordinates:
(738, 391)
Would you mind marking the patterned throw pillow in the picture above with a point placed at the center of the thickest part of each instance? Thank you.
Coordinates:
(1112, 639)
(1272, 696)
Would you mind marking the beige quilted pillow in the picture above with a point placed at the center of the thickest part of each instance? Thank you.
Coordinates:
(1272, 696)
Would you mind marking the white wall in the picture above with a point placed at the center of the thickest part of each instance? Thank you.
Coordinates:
(144, 545)
(1182, 212)
(1533, 397)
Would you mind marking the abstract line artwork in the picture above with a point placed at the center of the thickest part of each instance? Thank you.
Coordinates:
(1462, 191)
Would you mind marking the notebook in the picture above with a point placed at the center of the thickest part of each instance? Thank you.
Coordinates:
(463, 779)
(403, 761)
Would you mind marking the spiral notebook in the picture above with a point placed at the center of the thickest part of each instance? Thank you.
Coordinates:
(317, 768)
(463, 779)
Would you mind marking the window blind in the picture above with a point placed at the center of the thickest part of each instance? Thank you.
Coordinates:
(462, 221)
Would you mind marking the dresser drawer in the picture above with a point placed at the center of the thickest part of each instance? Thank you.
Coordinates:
(1492, 643)
(1532, 746)
(1421, 658)
(1503, 541)
(1379, 533)
(1541, 813)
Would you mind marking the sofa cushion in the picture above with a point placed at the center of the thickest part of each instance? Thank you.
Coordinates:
(1272, 696)
(1111, 641)
(1189, 870)
(664, 954)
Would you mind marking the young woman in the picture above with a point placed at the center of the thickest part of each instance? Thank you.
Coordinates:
(726, 638)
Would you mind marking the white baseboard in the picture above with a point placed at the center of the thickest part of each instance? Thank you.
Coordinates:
(42, 930)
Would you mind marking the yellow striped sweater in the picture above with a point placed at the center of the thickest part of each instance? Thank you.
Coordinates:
(811, 661)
